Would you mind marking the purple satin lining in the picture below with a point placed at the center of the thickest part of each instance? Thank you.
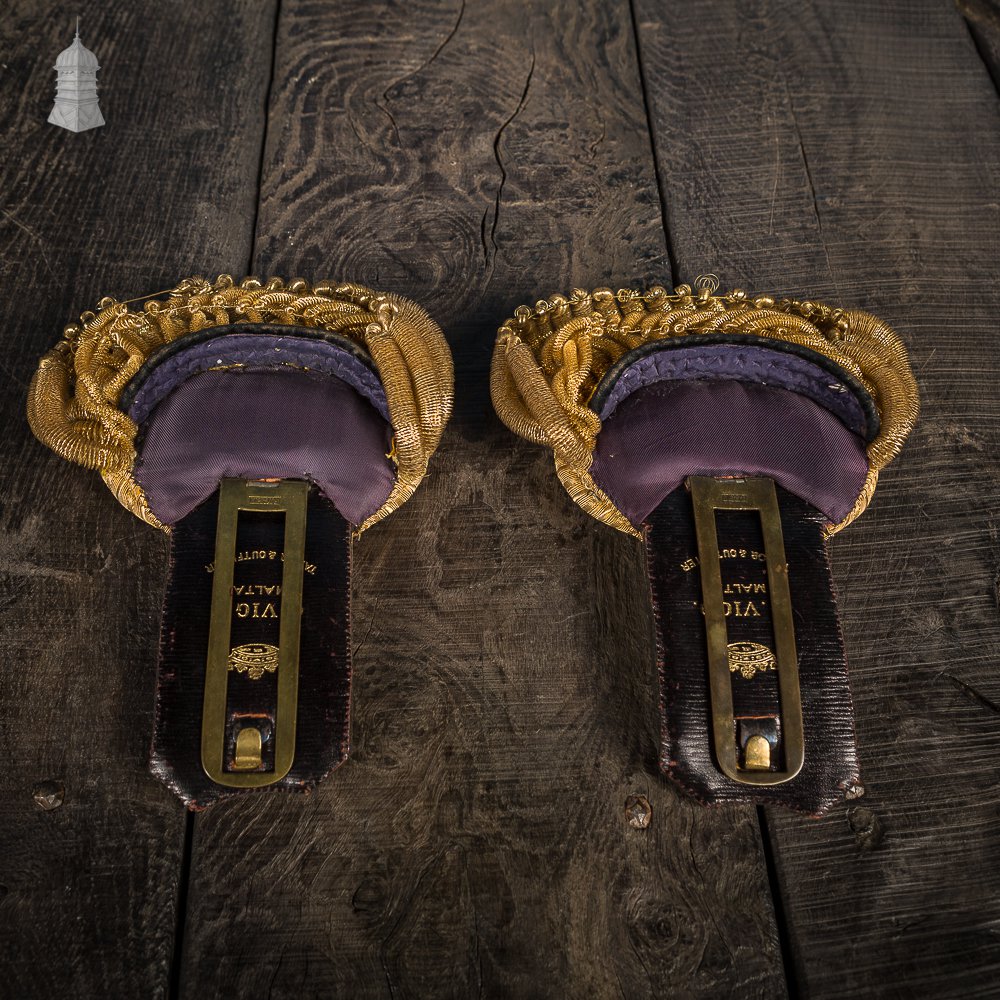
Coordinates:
(748, 363)
(667, 431)
(257, 350)
(259, 424)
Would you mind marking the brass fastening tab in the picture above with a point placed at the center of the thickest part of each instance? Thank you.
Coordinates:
(709, 495)
(288, 496)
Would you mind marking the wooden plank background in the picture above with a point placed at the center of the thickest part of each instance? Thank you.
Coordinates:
(89, 903)
(475, 156)
(851, 153)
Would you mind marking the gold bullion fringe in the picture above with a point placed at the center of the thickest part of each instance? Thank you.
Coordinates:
(73, 397)
(549, 359)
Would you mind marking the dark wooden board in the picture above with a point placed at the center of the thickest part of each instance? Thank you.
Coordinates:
(849, 153)
(167, 188)
(475, 156)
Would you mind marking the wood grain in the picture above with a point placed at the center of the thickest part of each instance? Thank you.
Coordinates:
(473, 157)
(504, 706)
(983, 20)
(167, 188)
(851, 154)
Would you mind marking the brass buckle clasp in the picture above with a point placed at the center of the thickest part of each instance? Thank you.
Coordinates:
(709, 495)
(288, 496)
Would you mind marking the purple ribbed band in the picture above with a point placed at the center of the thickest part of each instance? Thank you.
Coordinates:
(255, 350)
(740, 362)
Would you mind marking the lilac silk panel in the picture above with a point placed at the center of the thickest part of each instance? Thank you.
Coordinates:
(729, 411)
(200, 425)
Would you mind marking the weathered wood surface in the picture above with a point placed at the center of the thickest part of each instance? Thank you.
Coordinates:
(476, 843)
(168, 188)
(851, 155)
(475, 157)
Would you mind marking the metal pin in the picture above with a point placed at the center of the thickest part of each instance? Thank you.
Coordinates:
(757, 755)
(248, 749)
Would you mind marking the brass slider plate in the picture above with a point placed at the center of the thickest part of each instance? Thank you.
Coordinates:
(709, 495)
(290, 497)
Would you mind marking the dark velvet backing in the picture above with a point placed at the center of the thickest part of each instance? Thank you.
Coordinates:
(831, 762)
(322, 739)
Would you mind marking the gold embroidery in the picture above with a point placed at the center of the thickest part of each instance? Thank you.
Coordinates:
(549, 359)
(73, 398)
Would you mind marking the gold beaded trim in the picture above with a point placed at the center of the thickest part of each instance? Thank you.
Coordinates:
(549, 359)
(73, 397)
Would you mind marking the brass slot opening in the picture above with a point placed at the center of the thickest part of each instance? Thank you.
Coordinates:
(289, 496)
(709, 495)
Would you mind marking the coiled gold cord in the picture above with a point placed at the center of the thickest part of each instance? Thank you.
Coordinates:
(549, 359)
(73, 397)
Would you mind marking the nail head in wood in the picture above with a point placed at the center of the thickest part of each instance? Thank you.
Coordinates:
(638, 811)
(48, 795)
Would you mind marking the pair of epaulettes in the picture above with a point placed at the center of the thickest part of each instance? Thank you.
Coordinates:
(265, 425)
